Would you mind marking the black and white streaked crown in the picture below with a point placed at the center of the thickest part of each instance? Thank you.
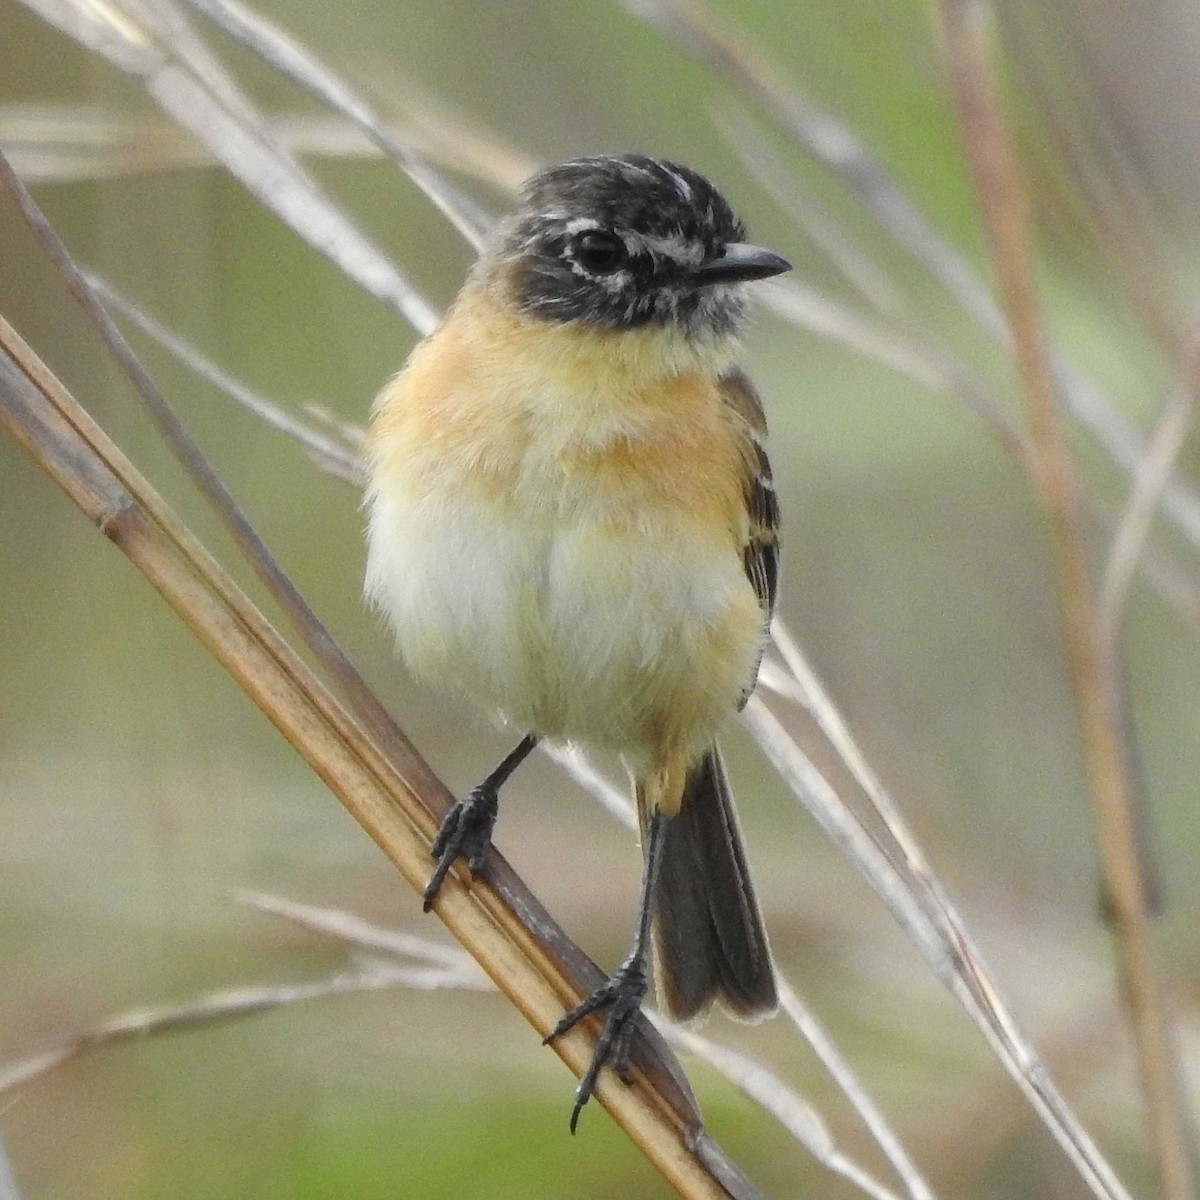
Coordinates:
(626, 241)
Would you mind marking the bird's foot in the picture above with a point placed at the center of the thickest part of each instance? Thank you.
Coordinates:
(465, 832)
(621, 995)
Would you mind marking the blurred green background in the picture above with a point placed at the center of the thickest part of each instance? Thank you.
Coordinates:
(139, 789)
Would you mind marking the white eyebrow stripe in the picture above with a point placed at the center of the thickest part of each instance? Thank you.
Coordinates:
(580, 225)
(686, 251)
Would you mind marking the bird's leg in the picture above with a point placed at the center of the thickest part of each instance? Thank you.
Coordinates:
(466, 830)
(622, 993)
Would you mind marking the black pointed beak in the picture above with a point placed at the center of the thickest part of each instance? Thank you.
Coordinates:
(737, 263)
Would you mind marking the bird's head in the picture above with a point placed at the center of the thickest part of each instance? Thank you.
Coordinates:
(628, 242)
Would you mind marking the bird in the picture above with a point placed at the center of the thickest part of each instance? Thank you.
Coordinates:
(572, 521)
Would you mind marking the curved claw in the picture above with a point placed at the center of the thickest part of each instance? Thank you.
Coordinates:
(621, 994)
(465, 832)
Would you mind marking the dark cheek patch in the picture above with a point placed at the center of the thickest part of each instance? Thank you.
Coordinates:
(546, 283)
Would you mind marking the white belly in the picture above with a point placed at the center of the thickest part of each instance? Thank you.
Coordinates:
(625, 640)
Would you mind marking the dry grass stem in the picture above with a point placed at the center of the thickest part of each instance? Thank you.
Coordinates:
(290, 58)
(354, 930)
(8, 1181)
(806, 1024)
(331, 454)
(788, 188)
(226, 1005)
(152, 41)
(1175, 422)
(817, 313)
(993, 164)
(795, 1114)
(613, 799)
(919, 906)
(82, 143)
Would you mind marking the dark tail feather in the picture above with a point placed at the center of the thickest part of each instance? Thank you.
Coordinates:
(709, 937)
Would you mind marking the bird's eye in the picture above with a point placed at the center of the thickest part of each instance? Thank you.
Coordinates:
(598, 251)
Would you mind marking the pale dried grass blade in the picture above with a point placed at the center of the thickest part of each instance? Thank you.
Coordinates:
(792, 1111)
(783, 183)
(290, 58)
(350, 928)
(224, 1005)
(613, 799)
(919, 906)
(1096, 682)
(1175, 422)
(8, 1178)
(823, 1046)
(333, 456)
(153, 42)
(74, 143)
(820, 314)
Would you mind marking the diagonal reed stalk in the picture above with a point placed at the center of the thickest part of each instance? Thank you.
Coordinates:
(393, 805)
(1092, 665)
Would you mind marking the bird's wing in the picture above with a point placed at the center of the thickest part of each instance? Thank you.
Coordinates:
(761, 551)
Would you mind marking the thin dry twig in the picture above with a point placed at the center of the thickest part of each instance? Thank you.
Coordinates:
(792, 1111)
(787, 187)
(229, 1004)
(8, 1179)
(612, 799)
(813, 1032)
(152, 41)
(919, 905)
(348, 927)
(332, 455)
(1167, 439)
(818, 313)
(75, 143)
(290, 58)
(995, 173)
